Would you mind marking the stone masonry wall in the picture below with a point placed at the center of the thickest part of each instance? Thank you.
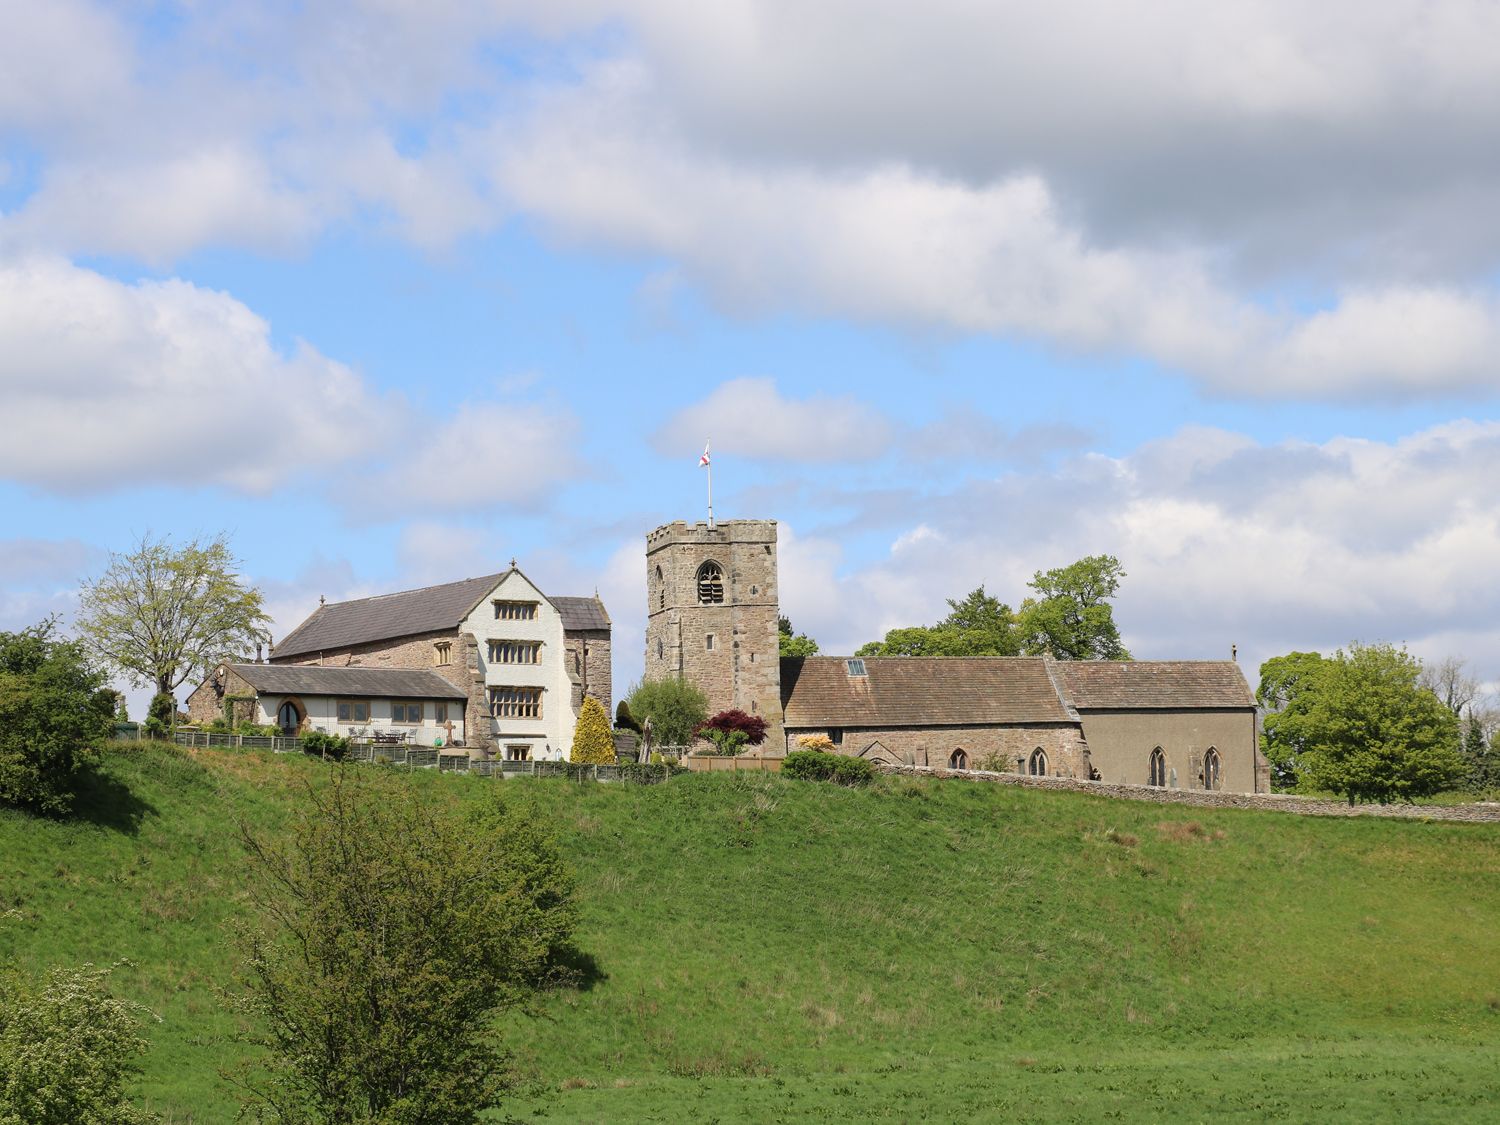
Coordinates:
(206, 704)
(1067, 754)
(589, 656)
(1481, 812)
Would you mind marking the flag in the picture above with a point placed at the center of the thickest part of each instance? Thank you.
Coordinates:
(703, 461)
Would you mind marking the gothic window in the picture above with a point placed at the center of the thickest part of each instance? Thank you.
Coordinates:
(1211, 769)
(1037, 766)
(710, 584)
(661, 591)
(1158, 768)
(959, 760)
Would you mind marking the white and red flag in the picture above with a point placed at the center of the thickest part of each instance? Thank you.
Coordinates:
(703, 461)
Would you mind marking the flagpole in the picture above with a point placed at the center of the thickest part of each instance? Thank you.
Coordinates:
(710, 468)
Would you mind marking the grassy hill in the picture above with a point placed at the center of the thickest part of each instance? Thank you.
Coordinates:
(772, 950)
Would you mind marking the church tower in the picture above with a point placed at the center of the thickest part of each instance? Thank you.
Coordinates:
(711, 615)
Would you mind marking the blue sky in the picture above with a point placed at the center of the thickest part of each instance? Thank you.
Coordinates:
(393, 292)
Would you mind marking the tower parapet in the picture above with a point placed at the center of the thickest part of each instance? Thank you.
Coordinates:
(712, 609)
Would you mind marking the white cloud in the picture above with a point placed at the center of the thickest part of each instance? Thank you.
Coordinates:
(109, 385)
(750, 417)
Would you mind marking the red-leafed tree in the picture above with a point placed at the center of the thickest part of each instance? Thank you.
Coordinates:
(731, 731)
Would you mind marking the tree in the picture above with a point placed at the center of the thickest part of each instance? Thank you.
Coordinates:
(731, 731)
(159, 716)
(1071, 618)
(978, 625)
(55, 715)
(67, 1048)
(675, 707)
(593, 745)
(793, 644)
(1364, 728)
(1288, 687)
(1450, 681)
(161, 616)
(624, 720)
(395, 932)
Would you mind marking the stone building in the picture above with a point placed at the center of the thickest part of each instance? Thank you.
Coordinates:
(520, 663)
(711, 618)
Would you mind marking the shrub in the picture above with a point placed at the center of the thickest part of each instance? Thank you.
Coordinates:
(817, 765)
(816, 742)
(593, 745)
(55, 715)
(731, 731)
(624, 720)
(331, 746)
(159, 716)
(675, 707)
(66, 1050)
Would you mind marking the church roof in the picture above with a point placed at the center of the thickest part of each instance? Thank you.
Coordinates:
(307, 679)
(408, 613)
(919, 691)
(1126, 685)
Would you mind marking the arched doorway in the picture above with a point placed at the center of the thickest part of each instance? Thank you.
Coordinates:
(1158, 768)
(958, 760)
(1037, 765)
(1212, 770)
(289, 717)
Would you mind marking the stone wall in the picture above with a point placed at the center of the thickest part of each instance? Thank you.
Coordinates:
(589, 655)
(1483, 812)
(1067, 754)
(206, 703)
(1120, 745)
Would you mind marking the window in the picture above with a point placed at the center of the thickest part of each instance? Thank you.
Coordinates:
(710, 584)
(661, 591)
(1211, 769)
(659, 648)
(1158, 768)
(855, 667)
(708, 643)
(443, 653)
(836, 735)
(405, 711)
(515, 652)
(440, 712)
(958, 760)
(518, 752)
(516, 702)
(515, 611)
(1037, 765)
(353, 710)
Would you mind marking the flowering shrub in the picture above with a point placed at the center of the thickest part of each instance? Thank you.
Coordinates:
(820, 742)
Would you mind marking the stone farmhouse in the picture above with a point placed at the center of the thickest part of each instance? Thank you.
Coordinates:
(490, 664)
(712, 610)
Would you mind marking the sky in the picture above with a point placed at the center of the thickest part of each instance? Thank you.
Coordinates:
(391, 293)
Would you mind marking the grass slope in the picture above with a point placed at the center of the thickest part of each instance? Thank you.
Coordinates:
(772, 950)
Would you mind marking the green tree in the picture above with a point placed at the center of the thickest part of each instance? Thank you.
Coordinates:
(1365, 728)
(593, 745)
(1071, 618)
(67, 1049)
(159, 716)
(1288, 688)
(978, 625)
(55, 715)
(395, 931)
(675, 707)
(794, 644)
(160, 615)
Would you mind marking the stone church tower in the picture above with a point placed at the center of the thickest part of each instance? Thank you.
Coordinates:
(711, 614)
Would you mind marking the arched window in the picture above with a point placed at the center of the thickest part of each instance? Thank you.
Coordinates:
(1212, 769)
(958, 760)
(1158, 768)
(1037, 766)
(710, 584)
(661, 591)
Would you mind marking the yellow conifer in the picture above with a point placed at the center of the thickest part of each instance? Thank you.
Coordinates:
(593, 745)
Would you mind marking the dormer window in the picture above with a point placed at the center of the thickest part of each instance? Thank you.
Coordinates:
(710, 584)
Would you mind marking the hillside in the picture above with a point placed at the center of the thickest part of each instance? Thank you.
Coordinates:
(768, 949)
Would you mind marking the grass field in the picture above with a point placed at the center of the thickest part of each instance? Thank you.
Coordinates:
(774, 950)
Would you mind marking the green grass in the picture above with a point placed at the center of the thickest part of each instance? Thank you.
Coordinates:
(775, 950)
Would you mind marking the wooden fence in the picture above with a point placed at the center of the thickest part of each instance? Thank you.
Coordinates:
(707, 763)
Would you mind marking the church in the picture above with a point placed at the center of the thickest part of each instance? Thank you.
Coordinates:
(712, 611)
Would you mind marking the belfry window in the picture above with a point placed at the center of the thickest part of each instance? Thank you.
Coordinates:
(710, 584)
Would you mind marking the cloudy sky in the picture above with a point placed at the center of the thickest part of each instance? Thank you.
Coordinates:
(391, 292)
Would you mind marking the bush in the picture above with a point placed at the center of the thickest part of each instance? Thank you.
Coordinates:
(816, 742)
(624, 720)
(817, 765)
(159, 716)
(675, 707)
(66, 1050)
(593, 745)
(331, 746)
(731, 731)
(55, 715)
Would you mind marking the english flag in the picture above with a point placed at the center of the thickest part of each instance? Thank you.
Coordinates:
(703, 461)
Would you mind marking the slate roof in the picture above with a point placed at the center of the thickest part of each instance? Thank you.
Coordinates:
(1154, 684)
(920, 691)
(431, 609)
(581, 613)
(304, 679)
